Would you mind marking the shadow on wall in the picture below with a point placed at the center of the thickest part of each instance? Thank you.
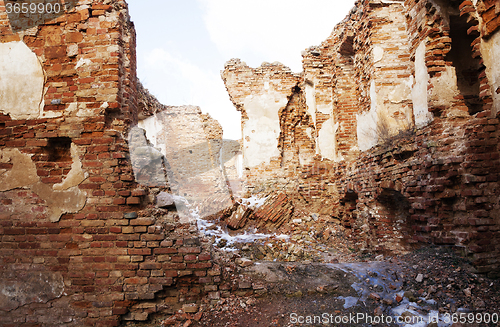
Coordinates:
(392, 221)
(193, 172)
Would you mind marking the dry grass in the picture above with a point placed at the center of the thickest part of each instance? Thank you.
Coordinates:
(386, 137)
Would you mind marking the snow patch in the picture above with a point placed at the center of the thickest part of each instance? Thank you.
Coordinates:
(254, 202)
(211, 229)
(350, 301)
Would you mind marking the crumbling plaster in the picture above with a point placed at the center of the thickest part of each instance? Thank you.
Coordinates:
(262, 129)
(65, 197)
(21, 81)
(326, 145)
(23, 172)
(490, 49)
(366, 124)
(272, 88)
(419, 92)
(31, 286)
(194, 166)
(76, 175)
(445, 89)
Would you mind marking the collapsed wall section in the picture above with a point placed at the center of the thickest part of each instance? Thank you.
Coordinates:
(263, 96)
(407, 91)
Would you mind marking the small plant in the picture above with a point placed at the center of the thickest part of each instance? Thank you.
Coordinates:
(387, 136)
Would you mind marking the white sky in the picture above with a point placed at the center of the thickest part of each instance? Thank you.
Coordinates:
(182, 45)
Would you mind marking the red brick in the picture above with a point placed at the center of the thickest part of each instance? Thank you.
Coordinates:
(199, 265)
(150, 265)
(190, 257)
(136, 280)
(190, 250)
(55, 52)
(133, 200)
(144, 251)
(161, 280)
(165, 251)
(142, 221)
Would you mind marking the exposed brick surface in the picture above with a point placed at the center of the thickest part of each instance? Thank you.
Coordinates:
(117, 256)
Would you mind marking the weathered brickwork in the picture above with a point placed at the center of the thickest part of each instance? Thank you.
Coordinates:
(411, 89)
(392, 128)
(489, 12)
(82, 243)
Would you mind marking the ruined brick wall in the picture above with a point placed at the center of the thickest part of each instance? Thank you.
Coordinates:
(489, 12)
(263, 95)
(412, 89)
(439, 186)
(81, 241)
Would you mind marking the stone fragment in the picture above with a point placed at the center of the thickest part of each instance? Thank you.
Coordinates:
(244, 262)
(479, 304)
(419, 278)
(244, 285)
(130, 215)
(164, 200)
(190, 308)
(169, 321)
(239, 218)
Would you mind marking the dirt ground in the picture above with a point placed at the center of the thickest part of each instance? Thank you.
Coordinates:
(424, 284)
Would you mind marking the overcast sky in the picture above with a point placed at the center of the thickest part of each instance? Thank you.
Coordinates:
(182, 45)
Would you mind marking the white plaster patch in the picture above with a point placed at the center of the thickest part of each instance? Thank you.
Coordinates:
(324, 109)
(21, 81)
(400, 93)
(153, 128)
(445, 87)
(72, 107)
(378, 54)
(262, 145)
(59, 202)
(23, 172)
(309, 132)
(419, 92)
(367, 130)
(51, 114)
(83, 62)
(311, 102)
(490, 50)
(262, 127)
(367, 123)
(76, 175)
(72, 50)
(86, 113)
(327, 140)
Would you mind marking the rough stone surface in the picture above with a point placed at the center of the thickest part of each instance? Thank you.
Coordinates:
(27, 287)
(164, 200)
